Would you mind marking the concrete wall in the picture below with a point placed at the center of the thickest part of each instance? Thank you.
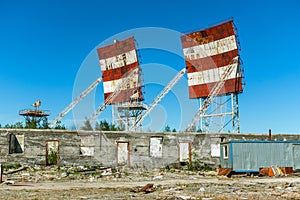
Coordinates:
(95, 147)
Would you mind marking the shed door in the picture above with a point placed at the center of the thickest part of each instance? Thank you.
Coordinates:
(296, 155)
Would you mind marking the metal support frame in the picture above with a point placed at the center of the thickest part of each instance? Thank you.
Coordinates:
(111, 97)
(222, 115)
(157, 99)
(126, 114)
(212, 96)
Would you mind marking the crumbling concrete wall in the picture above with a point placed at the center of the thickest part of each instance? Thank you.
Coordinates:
(35, 141)
(149, 150)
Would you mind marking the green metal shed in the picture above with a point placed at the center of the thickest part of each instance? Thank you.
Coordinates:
(251, 155)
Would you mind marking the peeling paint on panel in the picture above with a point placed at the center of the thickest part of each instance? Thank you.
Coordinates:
(207, 50)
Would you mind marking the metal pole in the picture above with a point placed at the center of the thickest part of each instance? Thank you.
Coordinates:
(201, 117)
(237, 113)
(233, 112)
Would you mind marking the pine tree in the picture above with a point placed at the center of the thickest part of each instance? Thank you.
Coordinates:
(87, 125)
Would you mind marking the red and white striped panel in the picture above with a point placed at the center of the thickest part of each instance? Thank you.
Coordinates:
(207, 54)
(117, 61)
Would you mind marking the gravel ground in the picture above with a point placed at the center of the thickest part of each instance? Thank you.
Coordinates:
(175, 184)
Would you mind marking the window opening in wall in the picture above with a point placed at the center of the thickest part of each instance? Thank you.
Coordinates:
(215, 150)
(87, 146)
(16, 143)
(225, 151)
(156, 147)
(52, 152)
(185, 153)
(123, 153)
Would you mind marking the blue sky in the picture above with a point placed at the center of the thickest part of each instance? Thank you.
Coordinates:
(44, 45)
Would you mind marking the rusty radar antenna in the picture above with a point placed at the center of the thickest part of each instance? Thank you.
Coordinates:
(35, 115)
(35, 112)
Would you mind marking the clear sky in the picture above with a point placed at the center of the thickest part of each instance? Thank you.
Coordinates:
(46, 45)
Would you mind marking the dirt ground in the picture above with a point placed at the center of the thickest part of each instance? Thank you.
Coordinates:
(176, 184)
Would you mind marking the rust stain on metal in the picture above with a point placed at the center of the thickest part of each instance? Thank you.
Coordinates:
(275, 171)
(224, 171)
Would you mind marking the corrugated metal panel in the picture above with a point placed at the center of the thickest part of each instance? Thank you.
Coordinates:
(110, 86)
(213, 48)
(211, 62)
(210, 76)
(117, 48)
(118, 61)
(205, 36)
(124, 94)
(296, 156)
(210, 49)
(252, 155)
(231, 85)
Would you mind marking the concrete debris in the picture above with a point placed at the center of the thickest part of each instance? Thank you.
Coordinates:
(91, 179)
(24, 184)
(278, 188)
(117, 175)
(25, 174)
(64, 174)
(170, 190)
(107, 172)
(202, 189)
(148, 188)
(186, 197)
(9, 182)
(158, 177)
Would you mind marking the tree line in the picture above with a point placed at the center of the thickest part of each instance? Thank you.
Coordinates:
(102, 126)
(33, 123)
(42, 123)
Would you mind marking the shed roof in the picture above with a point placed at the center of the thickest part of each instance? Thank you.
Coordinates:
(262, 141)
